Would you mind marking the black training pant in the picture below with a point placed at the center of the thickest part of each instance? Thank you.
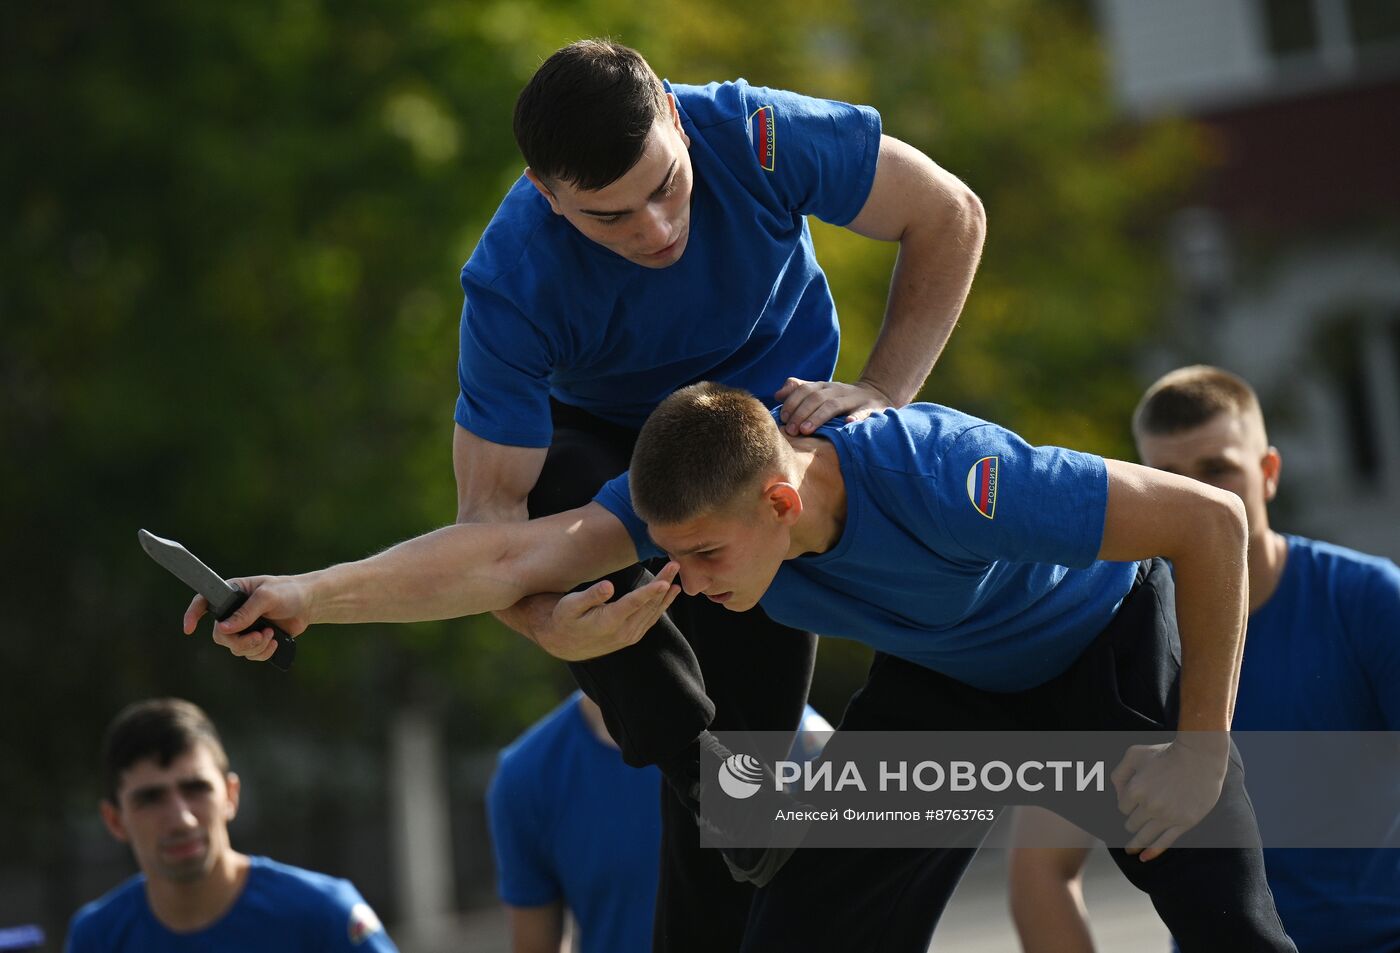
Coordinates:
(889, 900)
(656, 701)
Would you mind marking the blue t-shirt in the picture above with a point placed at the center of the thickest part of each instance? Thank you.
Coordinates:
(282, 909)
(1323, 654)
(550, 312)
(965, 549)
(571, 822)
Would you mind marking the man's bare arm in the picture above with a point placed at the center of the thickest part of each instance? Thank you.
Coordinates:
(537, 929)
(493, 485)
(1165, 790)
(940, 226)
(458, 570)
(1202, 531)
(493, 480)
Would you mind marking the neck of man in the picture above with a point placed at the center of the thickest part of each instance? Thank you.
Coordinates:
(1268, 553)
(817, 477)
(184, 907)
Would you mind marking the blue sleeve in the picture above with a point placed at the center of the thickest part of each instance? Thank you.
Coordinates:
(79, 939)
(503, 369)
(820, 154)
(1373, 624)
(525, 875)
(616, 498)
(338, 918)
(999, 498)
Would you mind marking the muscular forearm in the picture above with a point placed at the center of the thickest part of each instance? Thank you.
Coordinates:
(932, 276)
(1212, 596)
(455, 571)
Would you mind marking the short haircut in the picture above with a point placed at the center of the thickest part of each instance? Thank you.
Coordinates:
(1190, 396)
(700, 450)
(159, 728)
(584, 116)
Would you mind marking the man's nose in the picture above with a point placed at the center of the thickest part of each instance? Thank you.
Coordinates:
(654, 231)
(182, 815)
(692, 583)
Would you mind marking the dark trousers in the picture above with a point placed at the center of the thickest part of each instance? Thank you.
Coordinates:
(701, 666)
(889, 900)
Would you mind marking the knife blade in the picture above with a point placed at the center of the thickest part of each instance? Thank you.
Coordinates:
(223, 598)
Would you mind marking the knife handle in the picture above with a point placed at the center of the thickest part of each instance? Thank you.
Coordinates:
(286, 645)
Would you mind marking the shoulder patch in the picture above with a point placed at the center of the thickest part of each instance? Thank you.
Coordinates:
(363, 923)
(982, 486)
(763, 134)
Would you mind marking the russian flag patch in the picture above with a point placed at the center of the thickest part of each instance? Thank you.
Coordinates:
(762, 132)
(982, 486)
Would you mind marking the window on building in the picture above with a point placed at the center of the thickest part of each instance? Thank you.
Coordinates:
(1359, 352)
(1290, 27)
(1374, 23)
(1336, 35)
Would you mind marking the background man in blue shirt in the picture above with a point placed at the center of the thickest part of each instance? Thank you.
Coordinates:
(658, 237)
(170, 795)
(1322, 654)
(1005, 586)
(587, 842)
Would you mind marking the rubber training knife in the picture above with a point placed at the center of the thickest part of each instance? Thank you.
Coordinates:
(223, 598)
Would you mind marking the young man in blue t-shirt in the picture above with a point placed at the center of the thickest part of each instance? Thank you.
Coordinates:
(1005, 586)
(657, 237)
(170, 795)
(1322, 654)
(588, 841)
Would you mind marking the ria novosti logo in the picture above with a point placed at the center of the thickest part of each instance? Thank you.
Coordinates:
(740, 776)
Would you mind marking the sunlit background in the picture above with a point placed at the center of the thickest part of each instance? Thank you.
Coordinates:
(229, 304)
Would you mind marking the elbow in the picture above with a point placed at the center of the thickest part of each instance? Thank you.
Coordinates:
(973, 217)
(948, 213)
(961, 214)
(1221, 526)
(1231, 519)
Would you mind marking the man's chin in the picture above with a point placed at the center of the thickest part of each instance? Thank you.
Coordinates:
(668, 256)
(189, 870)
(180, 876)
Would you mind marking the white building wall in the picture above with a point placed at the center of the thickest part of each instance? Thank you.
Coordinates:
(1183, 54)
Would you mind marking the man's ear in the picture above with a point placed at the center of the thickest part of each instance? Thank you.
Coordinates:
(235, 788)
(112, 817)
(676, 119)
(1272, 465)
(785, 501)
(544, 190)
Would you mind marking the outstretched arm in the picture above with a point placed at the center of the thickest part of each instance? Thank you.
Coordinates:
(1165, 791)
(940, 225)
(458, 570)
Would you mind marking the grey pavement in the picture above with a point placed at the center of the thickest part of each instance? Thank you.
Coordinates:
(976, 921)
